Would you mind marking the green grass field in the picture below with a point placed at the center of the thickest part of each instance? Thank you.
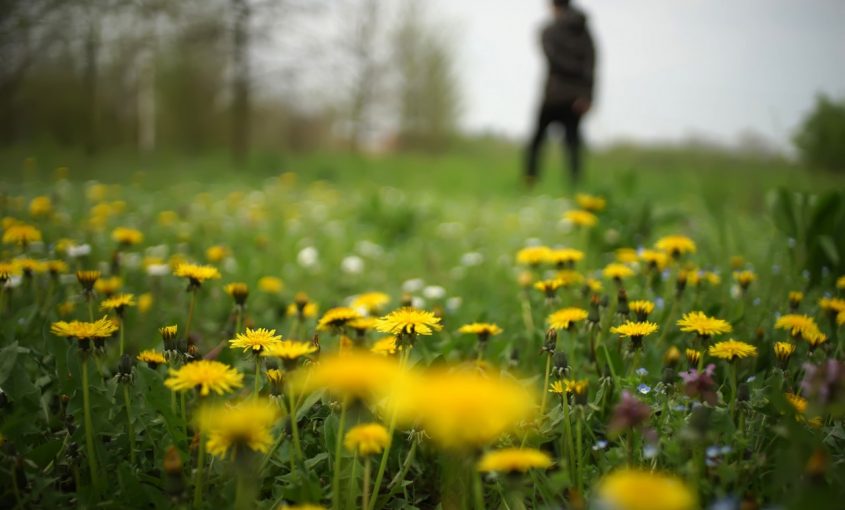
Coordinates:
(442, 233)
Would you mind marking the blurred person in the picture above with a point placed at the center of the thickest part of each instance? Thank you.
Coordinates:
(568, 96)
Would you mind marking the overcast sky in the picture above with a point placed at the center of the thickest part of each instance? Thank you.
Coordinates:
(667, 68)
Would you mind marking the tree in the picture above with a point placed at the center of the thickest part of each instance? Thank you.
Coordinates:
(820, 139)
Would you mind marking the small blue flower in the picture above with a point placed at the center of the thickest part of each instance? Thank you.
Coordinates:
(713, 451)
(751, 379)
(650, 451)
(601, 444)
(642, 372)
(756, 302)
(659, 303)
(645, 389)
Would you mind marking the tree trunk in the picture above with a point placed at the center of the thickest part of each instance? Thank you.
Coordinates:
(90, 83)
(241, 81)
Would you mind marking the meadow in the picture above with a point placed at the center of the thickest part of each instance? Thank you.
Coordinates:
(415, 331)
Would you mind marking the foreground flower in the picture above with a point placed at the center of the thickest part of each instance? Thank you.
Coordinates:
(196, 274)
(512, 460)
(352, 375)
(152, 358)
(289, 350)
(336, 318)
(409, 321)
(463, 410)
(576, 387)
(255, 340)
(565, 257)
(635, 331)
(206, 376)
(367, 439)
(731, 350)
(85, 331)
(675, 245)
(566, 317)
(233, 429)
(629, 489)
(702, 325)
(87, 279)
(21, 235)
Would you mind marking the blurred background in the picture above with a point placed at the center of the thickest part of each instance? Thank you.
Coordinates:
(757, 78)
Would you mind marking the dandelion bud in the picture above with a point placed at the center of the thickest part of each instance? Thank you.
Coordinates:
(672, 356)
(743, 393)
(551, 341)
(783, 351)
(622, 303)
(124, 368)
(594, 315)
(693, 357)
(795, 299)
(681, 283)
(561, 363)
(172, 462)
(238, 291)
(87, 279)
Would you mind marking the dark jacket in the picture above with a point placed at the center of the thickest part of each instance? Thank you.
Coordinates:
(571, 57)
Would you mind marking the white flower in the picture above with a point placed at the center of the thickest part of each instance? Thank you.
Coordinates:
(79, 250)
(158, 269)
(308, 257)
(369, 249)
(352, 264)
(453, 303)
(472, 258)
(413, 285)
(434, 292)
(418, 302)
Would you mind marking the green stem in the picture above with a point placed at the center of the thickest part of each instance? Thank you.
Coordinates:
(578, 445)
(478, 490)
(238, 318)
(198, 475)
(337, 452)
(567, 431)
(365, 502)
(294, 427)
(350, 488)
(546, 385)
(190, 314)
(89, 427)
(630, 449)
(184, 412)
(733, 392)
(256, 383)
(245, 491)
(130, 428)
(90, 307)
(396, 483)
(122, 334)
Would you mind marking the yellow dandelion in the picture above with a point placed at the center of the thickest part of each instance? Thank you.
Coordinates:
(533, 255)
(152, 358)
(84, 331)
(118, 303)
(566, 317)
(744, 278)
(568, 278)
(699, 323)
(270, 284)
(484, 330)
(40, 206)
(216, 254)
(108, 286)
(799, 326)
(636, 331)
(784, 350)
(371, 302)
(513, 460)
(642, 308)
(309, 310)
(127, 236)
(799, 404)
(363, 324)
(565, 257)
(675, 245)
(580, 218)
(232, 429)
(385, 346)
(238, 290)
(57, 267)
(548, 287)
(626, 255)
(145, 302)
(30, 266)
(366, 439)
(289, 349)
(832, 305)
(672, 356)
(275, 376)
(617, 272)
(336, 318)
(840, 282)
(255, 340)
(353, 375)
(731, 350)
(693, 357)
(592, 203)
(630, 489)
(654, 259)
(206, 376)
(196, 274)
(409, 321)
(21, 234)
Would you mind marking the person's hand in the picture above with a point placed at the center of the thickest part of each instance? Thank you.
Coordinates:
(581, 106)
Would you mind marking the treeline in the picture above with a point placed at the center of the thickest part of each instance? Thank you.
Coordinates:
(197, 74)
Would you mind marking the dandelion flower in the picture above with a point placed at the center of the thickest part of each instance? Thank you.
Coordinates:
(255, 340)
(565, 257)
(270, 284)
(85, 331)
(363, 324)
(118, 303)
(239, 292)
(336, 318)
(352, 375)
(840, 282)
(7, 271)
(233, 428)
(635, 331)
(371, 302)
(626, 255)
(577, 387)
(152, 358)
(568, 278)
(566, 317)
(675, 245)
(385, 346)
(366, 439)
(630, 489)
(731, 350)
(580, 218)
(289, 349)
(549, 287)
(409, 321)
(21, 234)
(206, 376)
(40, 206)
(744, 278)
(799, 326)
(617, 272)
(217, 253)
(799, 404)
(196, 274)
(693, 357)
(592, 203)
(702, 325)
(108, 286)
(127, 236)
(483, 330)
(533, 255)
(784, 350)
(513, 460)
(654, 259)
(832, 305)
(642, 308)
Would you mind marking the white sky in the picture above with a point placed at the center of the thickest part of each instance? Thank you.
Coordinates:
(667, 68)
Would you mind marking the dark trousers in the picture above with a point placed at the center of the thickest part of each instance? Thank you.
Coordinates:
(571, 122)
